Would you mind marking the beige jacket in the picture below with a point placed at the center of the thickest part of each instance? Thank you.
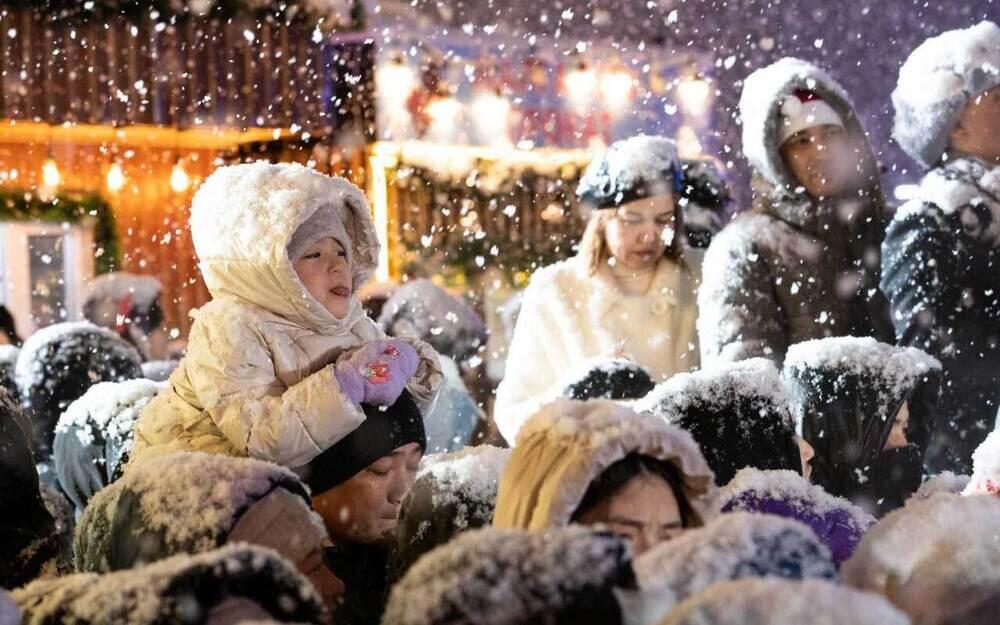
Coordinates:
(257, 378)
(569, 316)
(567, 445)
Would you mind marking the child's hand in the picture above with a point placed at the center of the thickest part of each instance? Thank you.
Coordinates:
(378, 372)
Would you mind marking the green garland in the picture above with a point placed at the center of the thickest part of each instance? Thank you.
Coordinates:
(69, 208)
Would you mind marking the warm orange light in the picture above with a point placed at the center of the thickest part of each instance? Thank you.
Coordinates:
(51, 177)
(179, 179)
(116, 178)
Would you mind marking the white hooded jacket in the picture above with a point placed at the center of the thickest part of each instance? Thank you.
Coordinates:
(257, 379)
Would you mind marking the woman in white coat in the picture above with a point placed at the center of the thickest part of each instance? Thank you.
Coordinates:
(629, 292)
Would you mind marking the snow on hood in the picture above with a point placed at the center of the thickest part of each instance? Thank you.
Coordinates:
(938, 558)
(893, 371)
(763, 93)
(605, 378)
(242, 220)
(733, 546)
(790, 486)
(165, 591)
(506, 577)
(986, 468)
(630, 169)
(190, 499)
(784, 602)
(944, 482)
(956, 186)
(568, 444)
(116, 286)
(937, 81)
(471, 474)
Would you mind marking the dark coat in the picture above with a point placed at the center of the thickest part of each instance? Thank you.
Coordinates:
(847, 410)
(941, 273)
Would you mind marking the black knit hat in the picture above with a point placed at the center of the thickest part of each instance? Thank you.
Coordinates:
(383, 430)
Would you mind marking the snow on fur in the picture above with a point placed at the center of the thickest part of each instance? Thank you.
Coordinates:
(504, 577)
(249, 212)
(789, 485)
(986, 468)
(718, 386)
(936, 82)
(959, 184)
(108, 408)
(783, 602)
(732, 546)
(903, 555)
(944, 482)
(763, 93)
(605, 378)
(629, 163)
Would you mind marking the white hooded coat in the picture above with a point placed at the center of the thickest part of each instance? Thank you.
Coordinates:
(257, 379)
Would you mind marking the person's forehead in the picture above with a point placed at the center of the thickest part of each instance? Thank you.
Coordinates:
(655, 204)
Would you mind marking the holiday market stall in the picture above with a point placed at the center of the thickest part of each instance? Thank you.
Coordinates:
(112, 112)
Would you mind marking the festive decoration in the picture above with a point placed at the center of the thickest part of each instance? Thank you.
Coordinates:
(68, 208)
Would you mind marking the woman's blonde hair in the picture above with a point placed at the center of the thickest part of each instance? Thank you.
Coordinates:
(594, 248)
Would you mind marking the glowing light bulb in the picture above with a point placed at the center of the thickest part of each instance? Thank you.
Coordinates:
(694, 95)
(179, 180)
(581, 83)
(116, 178)
(490, 113)
(616, 89)
(51, 177)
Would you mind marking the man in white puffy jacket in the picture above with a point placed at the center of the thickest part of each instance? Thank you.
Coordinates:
(275, 368)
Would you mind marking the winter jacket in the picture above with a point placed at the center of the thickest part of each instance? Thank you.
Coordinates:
(793, 268)
(784, 602)
(568, 444)
(257, 378)
(941, 273)
(59, 363)
(187, 502)
(738, 413)
(569, 316)
(453, 493)
(936, 559)
(28, 538)
(364, 570)
(847, 392)
(94, 436)
(838, 523)
(566, 576)
(181, 589)
(733, 546)
(456, 415)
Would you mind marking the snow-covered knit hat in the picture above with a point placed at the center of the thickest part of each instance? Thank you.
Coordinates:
(59, 363)
(94, 436)
(508, 577)
(738, 413)
(986, 468)
(938, 559)
(117, 298)
(181, 589)
(187, 502)
(761, 102)
(734, 546)
(784, 602)
(453, 493)
(566, 446)
(631, 169)
(937, 81)
(606, 378)
(804, 109)
(838, 523)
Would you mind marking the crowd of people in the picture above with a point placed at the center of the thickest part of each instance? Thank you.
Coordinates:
(795, 426)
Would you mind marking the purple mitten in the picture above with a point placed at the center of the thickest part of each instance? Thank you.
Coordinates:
(378, 372)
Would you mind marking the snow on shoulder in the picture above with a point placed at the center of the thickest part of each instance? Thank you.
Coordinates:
(109, 409)
(781, 602)
(474, 472)
(76, 339)
(505, 577)
(986, 468)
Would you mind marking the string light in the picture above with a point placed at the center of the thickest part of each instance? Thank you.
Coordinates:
(693, 94)
(116, 178)
(490, 114)
(616, 89)
(581, 83)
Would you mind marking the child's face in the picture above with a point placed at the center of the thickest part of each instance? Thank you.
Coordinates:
(326, 274)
